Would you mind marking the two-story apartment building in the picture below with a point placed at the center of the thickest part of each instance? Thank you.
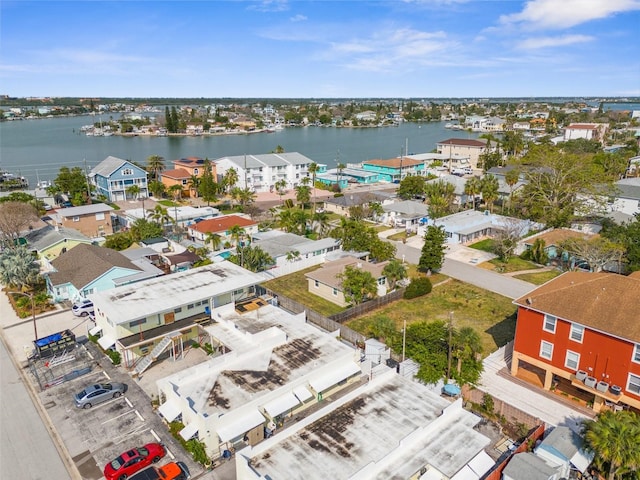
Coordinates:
(145, 318)
(113, 176)
(261, 172)
(92, 220)
(580, 331)
(394, 169)
(462, 148)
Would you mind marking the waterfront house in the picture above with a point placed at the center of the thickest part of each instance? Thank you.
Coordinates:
(260, 173)
(579, 333)
(462, 148)
(93, 220)
(326, 282)
(185, 169)
(394, 169)
(113, 176)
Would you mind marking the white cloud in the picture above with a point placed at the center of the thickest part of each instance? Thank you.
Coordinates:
(559, 14)
(270, 6)
(547, 42)
(298, 18)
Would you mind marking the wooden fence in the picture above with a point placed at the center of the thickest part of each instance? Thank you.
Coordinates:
(314, 317)
(534, 435)
(367, 306)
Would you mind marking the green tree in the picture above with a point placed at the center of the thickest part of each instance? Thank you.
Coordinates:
(472, 189)
(160, 215)
(236, 232)
(208, 187)
(394, 271)
(432, 256)
(70, 182)
(133, 191)
(313, 170)
(194, 185)
(280, 187)
(214, 239)
(303, 194)
(157, 188)
(440, 196)
(538, 252)
(358, 285)
(15, 218)
(155, 165)
(293, 255)
(252, 258)
(143, 228)
(230, 179)
(626, 235)
(597, 252)
(167, 120)
(411, 187)
(466, 349)
(614, 438)
(119, 241)
(18, 268)
(246, 197)
(511, 178)
(175, 191)
(489, 189)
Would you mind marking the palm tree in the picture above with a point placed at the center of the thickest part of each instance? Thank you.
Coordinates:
(280, 185)
(313, 170)
(160, 215)
(155, 164)
(235, 233)
(471, 189)
(511, 178)
(246, 197)
(194, 183)
(394, 271)
(133, 191)
(614, 438)
(320, 223)
(467, 346)
(340, 167)
(214, 239)
(157, 188)
(18, 268)
(489, 189)
(175, 191)
(293, 255)
(230, 179)
(303, 194)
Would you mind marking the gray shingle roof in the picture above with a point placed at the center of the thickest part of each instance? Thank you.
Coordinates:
(109, 165)
(46, 236)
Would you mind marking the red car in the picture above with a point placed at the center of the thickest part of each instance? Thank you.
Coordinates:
(134, 460)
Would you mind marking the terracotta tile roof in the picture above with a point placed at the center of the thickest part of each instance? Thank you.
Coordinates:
(222, 224)
(558, 235)
(394, 162)
(464, 142)
(583, 126)
(177, 173)
(607, 302)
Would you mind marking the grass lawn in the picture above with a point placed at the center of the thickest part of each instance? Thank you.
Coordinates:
(168, 203)
(539, 278)
(515, 264)
(484, 245)
(295, 286)
(491, 315)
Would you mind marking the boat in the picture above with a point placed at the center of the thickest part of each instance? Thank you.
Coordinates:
(9, 181)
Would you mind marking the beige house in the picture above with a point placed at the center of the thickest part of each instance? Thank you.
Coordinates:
(326, 283)
(463, 148)
(91, 220)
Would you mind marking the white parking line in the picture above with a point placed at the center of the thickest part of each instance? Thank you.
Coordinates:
(139, 416)
(155, 435)
(106, 375)
(128, 402)
(173, 457)
(115, 418)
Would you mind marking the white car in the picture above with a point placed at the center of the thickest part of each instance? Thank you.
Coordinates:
(82, 308)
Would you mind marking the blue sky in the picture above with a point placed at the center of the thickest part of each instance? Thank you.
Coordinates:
(289, 48)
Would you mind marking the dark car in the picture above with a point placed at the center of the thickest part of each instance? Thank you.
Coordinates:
(133, 461)
(100, 392)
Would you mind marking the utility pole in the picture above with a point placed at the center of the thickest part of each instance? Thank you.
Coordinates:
(404, 337)
(450, 341)
(86, 176)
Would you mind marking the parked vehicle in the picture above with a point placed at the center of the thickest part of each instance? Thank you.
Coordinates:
(170, 471)
(133, 461)
(100, 392)
(82, 308)
(460, 171)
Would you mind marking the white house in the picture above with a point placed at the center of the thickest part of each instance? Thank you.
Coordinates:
(588, 131)
(406, 214)
(261, 172)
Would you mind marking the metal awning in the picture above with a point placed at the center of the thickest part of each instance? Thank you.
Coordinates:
(329, 379)
(302, 393)
(189, 431)
(106, 342)
(240, 424)
(169, 410)
(281, 404)
(95, 330)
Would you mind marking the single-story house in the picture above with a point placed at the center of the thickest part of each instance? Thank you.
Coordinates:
(222, 226)
(48, 242)
(343, 203)
(326, 282)
(407, 214)
(182, 216)
(552, 239)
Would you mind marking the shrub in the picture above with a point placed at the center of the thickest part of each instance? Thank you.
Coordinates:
(417, 288)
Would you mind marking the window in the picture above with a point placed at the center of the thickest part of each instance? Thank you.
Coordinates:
(633, 385)
(636, 353)
(190, 306)
(549, 323)
(577, 332)
(127, 171)
(317, 283)
(335, 291)
(382, 280)
(195, 171)
(100, 216)
(546, 350)
(76, 219)
(177, 310)
(135, 323)
(184, 182)
(572, 360)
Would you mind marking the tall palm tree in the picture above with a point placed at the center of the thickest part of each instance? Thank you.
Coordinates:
(471, 189)
(155, 164)
(303, 194)
(214, 239)
(280, 185)
(160, 215)
(230, 179)
(246, 196)
(157, 188)
(467, 345)
(194, 183)
(175, 191)
(489, 189)
(313, 170)
(235, 233)
(511, 178)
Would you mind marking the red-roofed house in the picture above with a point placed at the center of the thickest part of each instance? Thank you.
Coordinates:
(580, 334)
(463, 147)
(590, 131)
(222, 226)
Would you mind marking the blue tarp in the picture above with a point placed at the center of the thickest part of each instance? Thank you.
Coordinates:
(451, 390)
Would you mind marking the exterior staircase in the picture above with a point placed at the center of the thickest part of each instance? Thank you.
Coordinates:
(144, 363)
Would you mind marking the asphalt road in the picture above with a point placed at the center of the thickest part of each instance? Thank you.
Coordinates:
(26, 448)
(492, 281)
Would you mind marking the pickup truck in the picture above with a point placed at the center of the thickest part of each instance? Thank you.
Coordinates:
(170, 471)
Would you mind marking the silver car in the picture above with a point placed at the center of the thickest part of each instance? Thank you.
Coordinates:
(100, 392)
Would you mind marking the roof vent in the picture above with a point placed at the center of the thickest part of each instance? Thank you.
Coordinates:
(529, 300)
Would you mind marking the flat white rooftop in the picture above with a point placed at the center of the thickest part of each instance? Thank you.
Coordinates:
(391, 428)
(130, 302)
